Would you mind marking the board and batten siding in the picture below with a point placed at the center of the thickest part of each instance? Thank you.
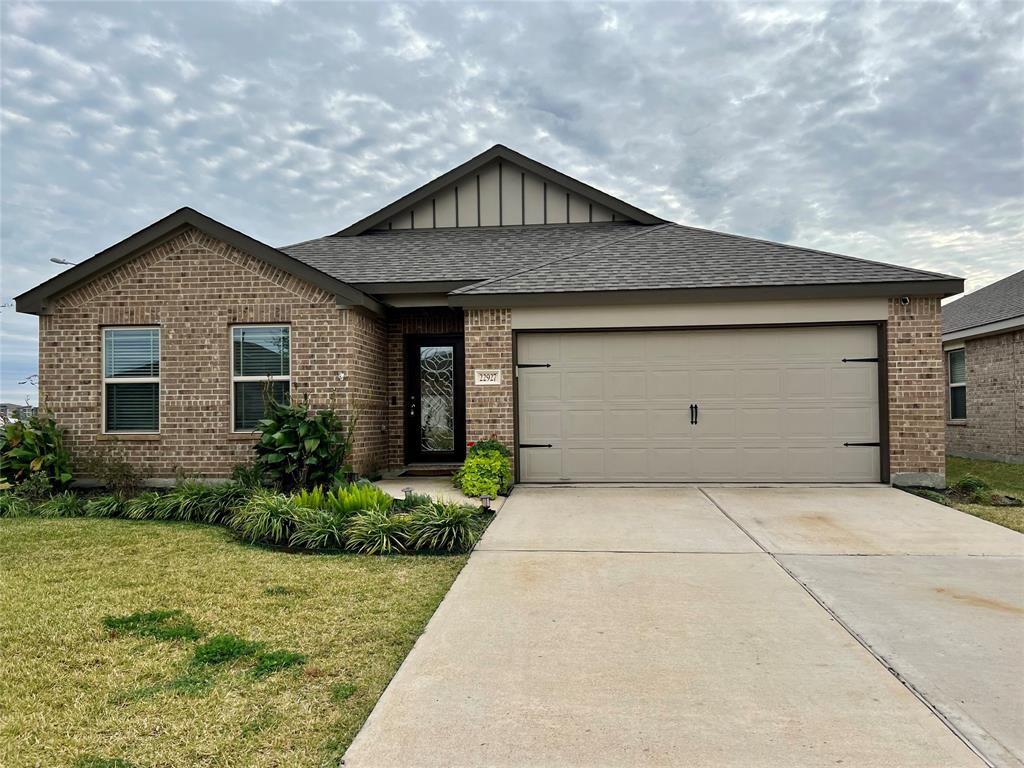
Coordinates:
(500, 194)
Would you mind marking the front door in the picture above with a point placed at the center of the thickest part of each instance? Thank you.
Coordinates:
(435, 399)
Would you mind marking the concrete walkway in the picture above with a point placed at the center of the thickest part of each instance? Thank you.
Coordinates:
(732, 627)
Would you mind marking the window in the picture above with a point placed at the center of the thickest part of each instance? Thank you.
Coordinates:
(260, 362)
(957, 384)
(131, 379)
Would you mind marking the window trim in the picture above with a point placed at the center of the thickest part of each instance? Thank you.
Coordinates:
(104, 379)
(950, 385)
(241, 379)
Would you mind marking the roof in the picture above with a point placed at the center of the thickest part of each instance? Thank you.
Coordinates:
(34, 301)
(500, 152)
(999, 302)
(597, 258)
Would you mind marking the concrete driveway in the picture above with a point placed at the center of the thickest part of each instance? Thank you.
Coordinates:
(718, 627)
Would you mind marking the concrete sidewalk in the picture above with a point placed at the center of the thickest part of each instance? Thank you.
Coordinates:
(618, 627)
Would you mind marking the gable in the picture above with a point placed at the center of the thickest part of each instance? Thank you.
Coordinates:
(500, 187)
(500, 194)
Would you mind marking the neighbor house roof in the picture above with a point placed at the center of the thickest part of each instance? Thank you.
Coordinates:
(996, 307)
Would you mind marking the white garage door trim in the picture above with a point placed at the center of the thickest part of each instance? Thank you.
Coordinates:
(775, 403)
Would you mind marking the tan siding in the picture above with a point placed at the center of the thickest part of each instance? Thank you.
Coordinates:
(534, 199)
(489, 196)
(511, 195)
(446, 207)
(467, 202)
(556, 204)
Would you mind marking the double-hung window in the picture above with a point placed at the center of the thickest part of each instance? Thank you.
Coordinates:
(957, 364)
(131, 379)
(260, 367)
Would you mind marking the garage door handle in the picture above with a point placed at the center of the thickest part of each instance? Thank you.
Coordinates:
(535, 445)
(860, 359)
(694, 412)
(876, 445)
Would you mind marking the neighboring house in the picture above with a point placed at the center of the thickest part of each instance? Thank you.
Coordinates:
(983, 339)
(15, 411)
(505, 299)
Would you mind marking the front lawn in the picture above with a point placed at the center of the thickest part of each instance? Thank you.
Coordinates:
(1000, 477)
(288, 654)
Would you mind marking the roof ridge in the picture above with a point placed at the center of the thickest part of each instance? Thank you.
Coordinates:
(816, 250)
(985, 288)
(644, 229)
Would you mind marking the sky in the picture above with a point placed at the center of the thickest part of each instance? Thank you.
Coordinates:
(889, 131)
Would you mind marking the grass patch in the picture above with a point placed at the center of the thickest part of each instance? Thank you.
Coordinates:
(274, 661)
(224, 649)
(162, 625)
(61, 674)
(999, 477)
(342, 691)
(91, 761)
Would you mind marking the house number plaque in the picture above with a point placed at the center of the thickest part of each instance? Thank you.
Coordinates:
(487, 376)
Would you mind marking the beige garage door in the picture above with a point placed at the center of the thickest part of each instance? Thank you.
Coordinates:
(766, 404)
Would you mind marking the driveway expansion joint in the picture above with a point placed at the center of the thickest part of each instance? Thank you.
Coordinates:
(919, 695)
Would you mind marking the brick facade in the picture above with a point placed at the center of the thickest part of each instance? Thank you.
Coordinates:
(194, 288)
(489, 345)
(917, 450)
(994, 427)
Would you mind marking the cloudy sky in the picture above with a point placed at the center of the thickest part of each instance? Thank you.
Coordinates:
(888, 131)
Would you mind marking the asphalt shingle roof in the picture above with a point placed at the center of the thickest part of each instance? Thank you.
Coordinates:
(1003, 300)
(585, 257)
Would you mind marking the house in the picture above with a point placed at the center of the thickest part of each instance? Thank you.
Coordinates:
(505, 299)
(983, 342)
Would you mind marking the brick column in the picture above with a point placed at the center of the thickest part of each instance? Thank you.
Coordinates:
(488, 334)
(917, 439)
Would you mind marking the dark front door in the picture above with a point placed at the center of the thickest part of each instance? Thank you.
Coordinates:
(435, 399)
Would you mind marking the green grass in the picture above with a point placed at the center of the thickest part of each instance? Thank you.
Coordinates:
(75, 692)
(1007, 479)
(163, 625)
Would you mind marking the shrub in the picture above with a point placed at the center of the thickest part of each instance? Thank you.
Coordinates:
(972, 488)
(200, 502)
(444, 527)
(247, 475)
(104, 506)
(358, 497)
(319, 529)
(36, 487)
(377, 531)
(13, 505)
(34, 445)
(413, 500)
(113, 473)
(314, 498)
(267, 517)
(142, 507)
(485, 473)
(64, 504)
(225, 648)
(163, 625)
(300, 449)
(491, 444)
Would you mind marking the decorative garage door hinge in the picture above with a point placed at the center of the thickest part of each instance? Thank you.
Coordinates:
(860, 359)
(533, 365)
(535, 445)
(877, 445)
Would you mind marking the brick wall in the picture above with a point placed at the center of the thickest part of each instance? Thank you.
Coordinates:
(194, 288)
(402, 322)
(489, 345)
(916, 393)
(994, 428)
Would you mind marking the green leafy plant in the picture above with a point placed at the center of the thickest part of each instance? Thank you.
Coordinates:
(143, 506)
(223, 649)
(413, 500)
(13, 505)
(104, 506)
(162, 625)
(247, 475)
(377, 531)
(64, 504)
(485, 473)
(301, 449)
(444, 527)
(319, 529)
(349, 499)
(313, 498)
(201, 502)
(488, 445)
(973, 489)
(36, 487)
(267, 517)
(34, 445)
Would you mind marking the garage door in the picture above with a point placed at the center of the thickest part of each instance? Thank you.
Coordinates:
(765, 404)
